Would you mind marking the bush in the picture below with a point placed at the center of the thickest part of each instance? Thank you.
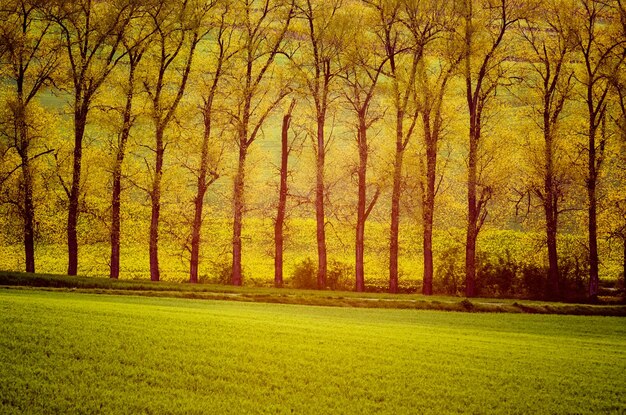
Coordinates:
(450, 273)
(534, 281)
(221, 273)
(506, 272)
(497, 276)
(305, 275)
(340, 276)
(573, 276)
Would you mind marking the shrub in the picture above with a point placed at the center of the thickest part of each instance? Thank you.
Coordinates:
(534, 280)
(449, 273)
(221, 273)
(573, 275)
(340, 276)
(496, 275)
(305, 275)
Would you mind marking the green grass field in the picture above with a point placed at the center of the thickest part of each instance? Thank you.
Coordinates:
(82, 353)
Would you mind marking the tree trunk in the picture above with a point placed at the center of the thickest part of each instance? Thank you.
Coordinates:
(624, 268)
(593, 229)
(80, 121)
(429, 206)
(199, 199)
(114, 270)
(361, 215)
(196, 228)
(550, 204)
(553, 260)
(155, 198)
(282, 202)
(238, 195)
(472, 219)
(394, 230)
(29, 209)
(29, 215)
(427, 288)
(319, 206)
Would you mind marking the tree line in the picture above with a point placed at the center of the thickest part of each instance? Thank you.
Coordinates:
(401, 63)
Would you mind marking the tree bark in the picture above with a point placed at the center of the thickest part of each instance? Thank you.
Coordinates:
(282, 201)
(27, 180)
(238, 195)
(319, 205)
(429, 208)
(29, 214)
(624, 266)
(394, 230)
(114, 270)
(550, 204)
(592, 180)
(80, 121)
(203, 184)
(155, 199)
(195, 231)
(472, 218)
(199, 205)
(361, 205)
(553, 261)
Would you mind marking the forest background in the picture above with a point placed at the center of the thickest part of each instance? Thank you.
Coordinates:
(465, 147)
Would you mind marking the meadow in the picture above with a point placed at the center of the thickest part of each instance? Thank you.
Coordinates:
(83, 353)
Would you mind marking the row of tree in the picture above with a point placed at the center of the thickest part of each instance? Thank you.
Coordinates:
(371, 60)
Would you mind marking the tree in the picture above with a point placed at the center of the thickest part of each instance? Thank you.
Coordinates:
(29, 60)
(319, 68)
(432, 32)
(263, 28)
(484, 30)
(549, 38)
(279, 224)
(361, 74)
(402, 69)
(178, 27)
(618, 201)
(92, 34)
(598, 49)
(208, 173)
(135, 41)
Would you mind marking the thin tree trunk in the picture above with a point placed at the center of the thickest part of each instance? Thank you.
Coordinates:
(428, 211)
(117, 178)
(29, 215)
(593, 229)
(472, 219)
(80, 121)
(199, 203)
(624, 267)
(361, 214)
(319, 206)
(395, 205)
(282, 202)
(29, 209)
(238, 215)
(114, 269)
(551, 212)
(155, 198)
(553, 260)
(195, 234)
